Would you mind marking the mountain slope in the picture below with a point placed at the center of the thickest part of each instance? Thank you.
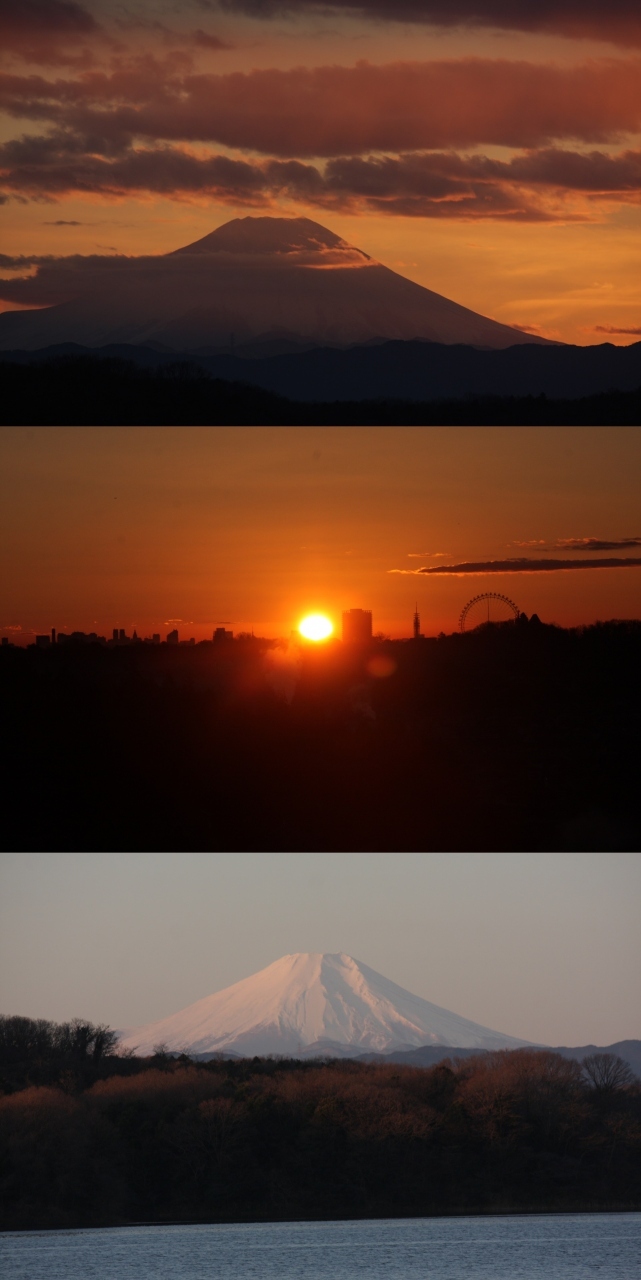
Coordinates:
(313, 1002)
(253, 279)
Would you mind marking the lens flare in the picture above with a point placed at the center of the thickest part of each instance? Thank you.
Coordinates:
(316, 627)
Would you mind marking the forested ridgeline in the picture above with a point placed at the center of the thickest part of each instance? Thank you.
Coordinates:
(163, 1139)
(92, 391)
(515, 736)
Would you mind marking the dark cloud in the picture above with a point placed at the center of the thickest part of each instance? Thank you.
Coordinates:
(611, 328)
(129, 131)
(595, 544)
(41, 31)
(524, 565)
(336, 111)
(434, 185)
(581, 544)
(50, 17)
(618, 20)
(52, 167)
(206, 41)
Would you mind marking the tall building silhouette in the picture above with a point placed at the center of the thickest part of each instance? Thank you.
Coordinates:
(417, 623)
(357, 626)
(172, 637)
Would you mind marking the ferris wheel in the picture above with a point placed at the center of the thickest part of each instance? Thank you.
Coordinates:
(490, 606)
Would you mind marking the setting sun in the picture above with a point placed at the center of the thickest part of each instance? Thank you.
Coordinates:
(316, 627)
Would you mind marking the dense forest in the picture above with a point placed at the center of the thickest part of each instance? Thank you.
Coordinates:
(514, 736)
(90, 1138)
(94, 391)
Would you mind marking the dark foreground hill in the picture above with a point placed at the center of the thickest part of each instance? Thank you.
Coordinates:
(428, 371)
(520, 736)
(145, 389)
(264, 1139)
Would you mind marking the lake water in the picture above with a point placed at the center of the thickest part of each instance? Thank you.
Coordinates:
(542, 1247)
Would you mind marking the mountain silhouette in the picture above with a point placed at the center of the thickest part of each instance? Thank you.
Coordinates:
(284, 280)
(313, 1003)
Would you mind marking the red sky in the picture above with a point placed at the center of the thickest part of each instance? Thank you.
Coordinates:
(488, 149)
(140, 526)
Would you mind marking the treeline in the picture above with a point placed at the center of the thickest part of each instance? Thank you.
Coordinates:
(510, 737)
(106, 391)
(75, 1054)
(267, 1139)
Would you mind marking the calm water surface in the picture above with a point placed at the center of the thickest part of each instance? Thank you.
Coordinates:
(566, 1247)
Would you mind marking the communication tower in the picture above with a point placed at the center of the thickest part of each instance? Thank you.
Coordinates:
(417, 623)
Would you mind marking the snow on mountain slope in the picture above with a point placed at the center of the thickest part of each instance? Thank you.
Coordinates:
(315, 1002)
(250, 280)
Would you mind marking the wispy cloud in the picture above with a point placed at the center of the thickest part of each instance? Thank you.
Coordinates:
(582, 544)
(522, 565)
(612, 328)
(596, 544)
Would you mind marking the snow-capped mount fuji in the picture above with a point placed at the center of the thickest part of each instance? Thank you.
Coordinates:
(252, 280)
(313, 1003)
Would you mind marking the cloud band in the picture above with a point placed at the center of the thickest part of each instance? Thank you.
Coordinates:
(523, 565)
(618, 21)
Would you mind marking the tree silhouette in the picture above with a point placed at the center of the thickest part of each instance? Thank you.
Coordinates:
(607, 1073)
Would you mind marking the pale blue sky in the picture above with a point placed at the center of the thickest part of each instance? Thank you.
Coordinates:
(542, 946)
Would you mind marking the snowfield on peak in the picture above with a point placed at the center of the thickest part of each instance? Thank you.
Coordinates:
(313, 1002)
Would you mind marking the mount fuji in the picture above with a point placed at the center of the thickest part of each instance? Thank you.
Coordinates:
(311, 1004)
(253, 280)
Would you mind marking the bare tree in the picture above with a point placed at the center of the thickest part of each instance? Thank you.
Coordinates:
(606, 1072)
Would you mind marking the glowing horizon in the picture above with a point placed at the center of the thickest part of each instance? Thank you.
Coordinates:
(253, 528)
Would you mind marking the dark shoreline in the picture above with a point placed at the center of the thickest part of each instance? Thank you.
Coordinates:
(441, 1214)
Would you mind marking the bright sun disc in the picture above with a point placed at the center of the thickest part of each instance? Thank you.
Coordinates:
(316, 627)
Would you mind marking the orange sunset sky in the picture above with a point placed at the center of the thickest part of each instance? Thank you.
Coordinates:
(156, 527)
(488, 149)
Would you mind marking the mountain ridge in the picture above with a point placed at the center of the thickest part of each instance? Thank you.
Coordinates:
(430, 1055)
(252, 279)
(408, 371)
(313, 1002)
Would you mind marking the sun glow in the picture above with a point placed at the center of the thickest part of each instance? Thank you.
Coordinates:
(316, 627)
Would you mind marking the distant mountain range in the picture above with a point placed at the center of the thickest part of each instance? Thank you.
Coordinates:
(275, 280)
(286, 305)
(398, 370)
(429, 1055)
(311, 1004)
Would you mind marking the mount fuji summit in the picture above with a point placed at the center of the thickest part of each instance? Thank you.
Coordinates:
(313, 1003)
(253, 280)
